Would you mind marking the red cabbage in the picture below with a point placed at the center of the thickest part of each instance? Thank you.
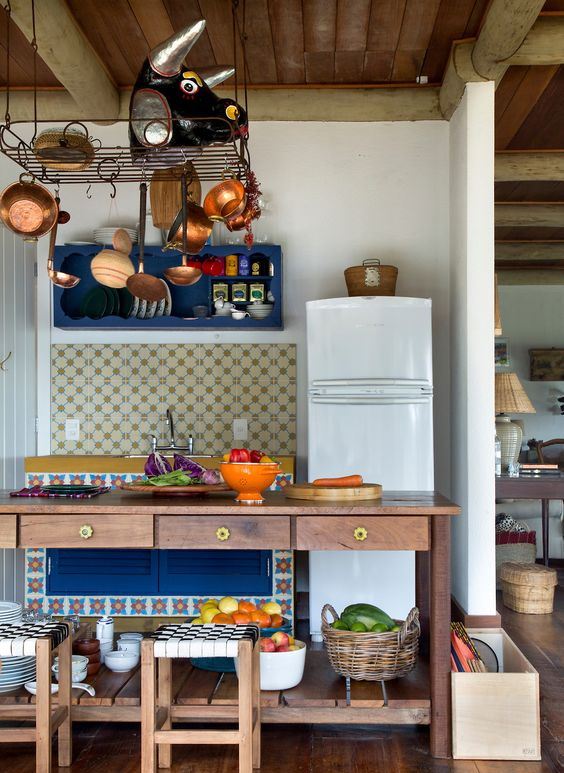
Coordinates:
(211, 477)
(156, 465)
(193, 469)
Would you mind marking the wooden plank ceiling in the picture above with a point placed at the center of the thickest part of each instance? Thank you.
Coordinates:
(289, 41)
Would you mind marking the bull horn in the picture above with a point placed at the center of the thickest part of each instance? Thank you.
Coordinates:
(166, 59)
(216, 74)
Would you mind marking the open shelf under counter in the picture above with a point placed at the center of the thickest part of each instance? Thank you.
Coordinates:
(68, 310)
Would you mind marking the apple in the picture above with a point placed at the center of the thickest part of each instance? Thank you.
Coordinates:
(283, 648)
(228, 605)
(267, 645)
(272, 608)
(280, 639)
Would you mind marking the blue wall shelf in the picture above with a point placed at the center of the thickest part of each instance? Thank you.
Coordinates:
(76, 260)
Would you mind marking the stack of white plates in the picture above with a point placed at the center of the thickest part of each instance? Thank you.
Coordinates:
(106, 234)
(10, 612)
(260, 310)
(15, 672)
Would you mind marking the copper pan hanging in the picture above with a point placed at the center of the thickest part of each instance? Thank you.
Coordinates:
(186, 274)
(28, 209)
(145, 286)
(59, 278)
(198, 229)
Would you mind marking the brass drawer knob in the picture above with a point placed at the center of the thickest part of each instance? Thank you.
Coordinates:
(360, 533)
(86, 531)
(222, 533)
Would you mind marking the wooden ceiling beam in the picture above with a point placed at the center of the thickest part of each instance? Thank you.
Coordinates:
(529, 214)
(69, 55)
(503, 30)
(526, 166)
(544, 45)
(267, 104)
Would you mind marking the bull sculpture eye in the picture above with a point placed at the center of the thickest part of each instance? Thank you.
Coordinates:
(232, 112)
(189, 86)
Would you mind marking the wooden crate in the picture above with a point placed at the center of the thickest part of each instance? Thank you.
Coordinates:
(496, 716)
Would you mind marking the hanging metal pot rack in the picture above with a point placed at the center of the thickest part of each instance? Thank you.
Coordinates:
(111, 165)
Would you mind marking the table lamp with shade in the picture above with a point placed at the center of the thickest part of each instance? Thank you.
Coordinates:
(510, 397)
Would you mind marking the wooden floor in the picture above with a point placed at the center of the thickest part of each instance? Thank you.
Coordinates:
(109, 747)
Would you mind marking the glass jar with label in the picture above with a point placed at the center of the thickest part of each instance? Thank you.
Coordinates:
(231, 265)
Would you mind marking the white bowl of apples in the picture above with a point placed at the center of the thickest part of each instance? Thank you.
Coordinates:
(282, 661)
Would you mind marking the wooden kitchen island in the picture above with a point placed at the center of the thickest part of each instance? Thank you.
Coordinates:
(418, 521)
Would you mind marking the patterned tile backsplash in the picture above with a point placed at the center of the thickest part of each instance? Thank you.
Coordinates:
(120, 394)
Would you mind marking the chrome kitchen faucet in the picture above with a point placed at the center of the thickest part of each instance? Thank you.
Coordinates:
(172, 442)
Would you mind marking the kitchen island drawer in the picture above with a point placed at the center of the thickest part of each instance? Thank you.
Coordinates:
(224, 531)
(362, 533)
(8, 530)
(87, 531)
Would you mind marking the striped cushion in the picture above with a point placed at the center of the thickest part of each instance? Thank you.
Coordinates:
(20, 640)
(202, 641)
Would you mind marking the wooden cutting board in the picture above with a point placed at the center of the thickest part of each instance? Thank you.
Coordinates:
(178, 491)
(328, 493)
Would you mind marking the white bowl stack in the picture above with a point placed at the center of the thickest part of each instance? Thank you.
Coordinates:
(105, 635)
(79, 666)
(260, 310)
(14, 671)
(106, 234)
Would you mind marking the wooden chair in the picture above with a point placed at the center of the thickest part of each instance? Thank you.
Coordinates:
(551, 451)
(41, 640)
(157, 714)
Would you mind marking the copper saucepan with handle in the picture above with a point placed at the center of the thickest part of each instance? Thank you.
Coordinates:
(28, 209)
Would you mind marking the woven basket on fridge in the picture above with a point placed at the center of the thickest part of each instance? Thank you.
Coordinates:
(371, 279)
(372, 656)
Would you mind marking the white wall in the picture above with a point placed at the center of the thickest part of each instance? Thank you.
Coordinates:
(472, 386)
(532, 317)
(340, 192)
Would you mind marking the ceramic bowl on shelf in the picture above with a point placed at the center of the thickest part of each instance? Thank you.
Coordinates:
(119, 661)
(249, 479)
(281, 670)
(86, 646)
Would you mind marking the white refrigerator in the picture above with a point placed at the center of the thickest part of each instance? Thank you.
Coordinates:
(370, 411)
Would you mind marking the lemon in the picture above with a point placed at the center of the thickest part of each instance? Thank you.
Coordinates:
(228, 605)
(212, 603)
(208, 614)
(272, 608)
(359, 628)
(197, 621)
(379, 628)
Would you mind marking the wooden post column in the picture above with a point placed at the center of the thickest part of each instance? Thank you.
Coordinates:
(440, 637)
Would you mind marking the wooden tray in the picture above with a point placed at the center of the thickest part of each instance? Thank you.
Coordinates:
(353, 493)
(175, 491)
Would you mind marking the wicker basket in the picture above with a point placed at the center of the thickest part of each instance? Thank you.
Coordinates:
(528, 588)
(68, 150)
(371, 279)
(514, 552)
(370, 656)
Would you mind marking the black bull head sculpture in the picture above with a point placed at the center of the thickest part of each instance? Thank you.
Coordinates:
(172, 105)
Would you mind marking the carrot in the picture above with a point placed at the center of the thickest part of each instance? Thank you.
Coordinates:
(347, 480)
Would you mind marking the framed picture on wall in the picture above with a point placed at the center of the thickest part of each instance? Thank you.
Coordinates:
(547, 364)
(501, 354)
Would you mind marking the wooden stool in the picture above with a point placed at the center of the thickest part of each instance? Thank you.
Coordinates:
(40, 640)
(157, 713)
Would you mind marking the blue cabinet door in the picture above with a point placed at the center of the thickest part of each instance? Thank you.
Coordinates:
(215, 572)
(100, 572)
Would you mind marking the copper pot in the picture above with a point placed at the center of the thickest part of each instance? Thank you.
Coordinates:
(198, 230)
(28, 209)
(226, 199)
(251, 212)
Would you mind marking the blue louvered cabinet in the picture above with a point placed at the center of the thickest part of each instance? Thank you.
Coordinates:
(159, 572)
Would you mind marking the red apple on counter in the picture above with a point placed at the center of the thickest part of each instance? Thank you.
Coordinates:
(280, 639)
(283, 648)
(267, 645)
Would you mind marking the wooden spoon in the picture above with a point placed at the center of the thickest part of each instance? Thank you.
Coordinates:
(145, 286)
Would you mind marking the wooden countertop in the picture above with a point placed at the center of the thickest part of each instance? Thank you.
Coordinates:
(391, 503)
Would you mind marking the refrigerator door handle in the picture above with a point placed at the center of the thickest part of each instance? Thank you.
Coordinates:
(369, 400)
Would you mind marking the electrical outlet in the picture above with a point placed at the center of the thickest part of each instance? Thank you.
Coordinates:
(240, 429)
(72, 429)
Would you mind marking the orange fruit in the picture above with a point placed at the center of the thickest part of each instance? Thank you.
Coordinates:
(247, 606)
(222, 618)
(260, 617)
(276, 621)
(241, 618)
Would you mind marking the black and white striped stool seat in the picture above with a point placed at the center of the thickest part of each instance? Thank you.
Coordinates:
(20, 640)
(202, 641)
